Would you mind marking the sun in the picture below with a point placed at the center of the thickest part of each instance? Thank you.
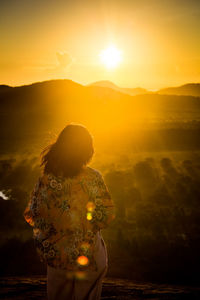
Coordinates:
(111, 57)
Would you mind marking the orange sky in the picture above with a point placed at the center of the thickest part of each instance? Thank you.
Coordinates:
(42, 40)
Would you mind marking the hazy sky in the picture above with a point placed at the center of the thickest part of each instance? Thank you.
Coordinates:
(46, 39)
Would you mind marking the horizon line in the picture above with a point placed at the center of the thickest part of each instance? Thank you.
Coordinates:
(88, 84)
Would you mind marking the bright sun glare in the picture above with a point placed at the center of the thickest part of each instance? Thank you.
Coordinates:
(111, 57)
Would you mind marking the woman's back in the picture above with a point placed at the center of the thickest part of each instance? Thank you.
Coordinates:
(66, 214)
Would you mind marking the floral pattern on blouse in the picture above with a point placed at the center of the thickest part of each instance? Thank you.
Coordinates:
(65, 214)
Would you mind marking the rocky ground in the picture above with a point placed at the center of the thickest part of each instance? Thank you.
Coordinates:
(34, 288)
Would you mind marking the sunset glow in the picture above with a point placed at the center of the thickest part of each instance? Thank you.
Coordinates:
(148, 44)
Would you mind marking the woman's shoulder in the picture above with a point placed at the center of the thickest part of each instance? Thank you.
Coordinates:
(87, 172)
(93, 172)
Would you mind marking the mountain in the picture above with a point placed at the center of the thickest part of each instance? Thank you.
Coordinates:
(50, 104)
(57, 101)
(129, 91)
(4, 88)
(31, 113)
(192, 89)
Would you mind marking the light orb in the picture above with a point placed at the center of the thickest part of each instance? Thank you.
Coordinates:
(111, 57)
(82, 260)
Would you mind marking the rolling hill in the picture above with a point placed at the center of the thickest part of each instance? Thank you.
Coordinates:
(192, 89)
(129, 91)
(45, 107)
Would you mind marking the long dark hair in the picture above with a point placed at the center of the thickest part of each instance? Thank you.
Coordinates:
(72, 150)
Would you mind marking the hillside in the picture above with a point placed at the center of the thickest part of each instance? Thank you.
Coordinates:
(192, 89)
(65, 99)
(129, 91)
(4, 88)
(43, 108)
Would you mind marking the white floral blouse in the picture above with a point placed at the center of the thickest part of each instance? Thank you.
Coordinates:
(65, 214)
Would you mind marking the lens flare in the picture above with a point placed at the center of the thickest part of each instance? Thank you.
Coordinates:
(82, 260)
(90, 206)
(80, 275)
(89, 216)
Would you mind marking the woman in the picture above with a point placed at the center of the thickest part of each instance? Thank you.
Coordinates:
(69, 206)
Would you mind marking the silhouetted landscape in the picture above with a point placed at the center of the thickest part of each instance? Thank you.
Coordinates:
(151, 166)
(187, 89)
(154, 122)
(127, 71)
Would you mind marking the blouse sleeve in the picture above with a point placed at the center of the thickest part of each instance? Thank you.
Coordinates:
(36, 213)
(103, 210)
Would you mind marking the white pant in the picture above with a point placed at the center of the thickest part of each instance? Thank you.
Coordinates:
(59, 287)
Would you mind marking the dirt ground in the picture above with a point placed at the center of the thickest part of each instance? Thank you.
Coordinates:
(34, 288)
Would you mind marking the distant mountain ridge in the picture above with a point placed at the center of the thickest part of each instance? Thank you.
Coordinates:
(65, 99)
(37, 110)
(190, 89)
(129, 91)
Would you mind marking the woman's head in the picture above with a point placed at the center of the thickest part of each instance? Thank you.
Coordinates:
(72, 150)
